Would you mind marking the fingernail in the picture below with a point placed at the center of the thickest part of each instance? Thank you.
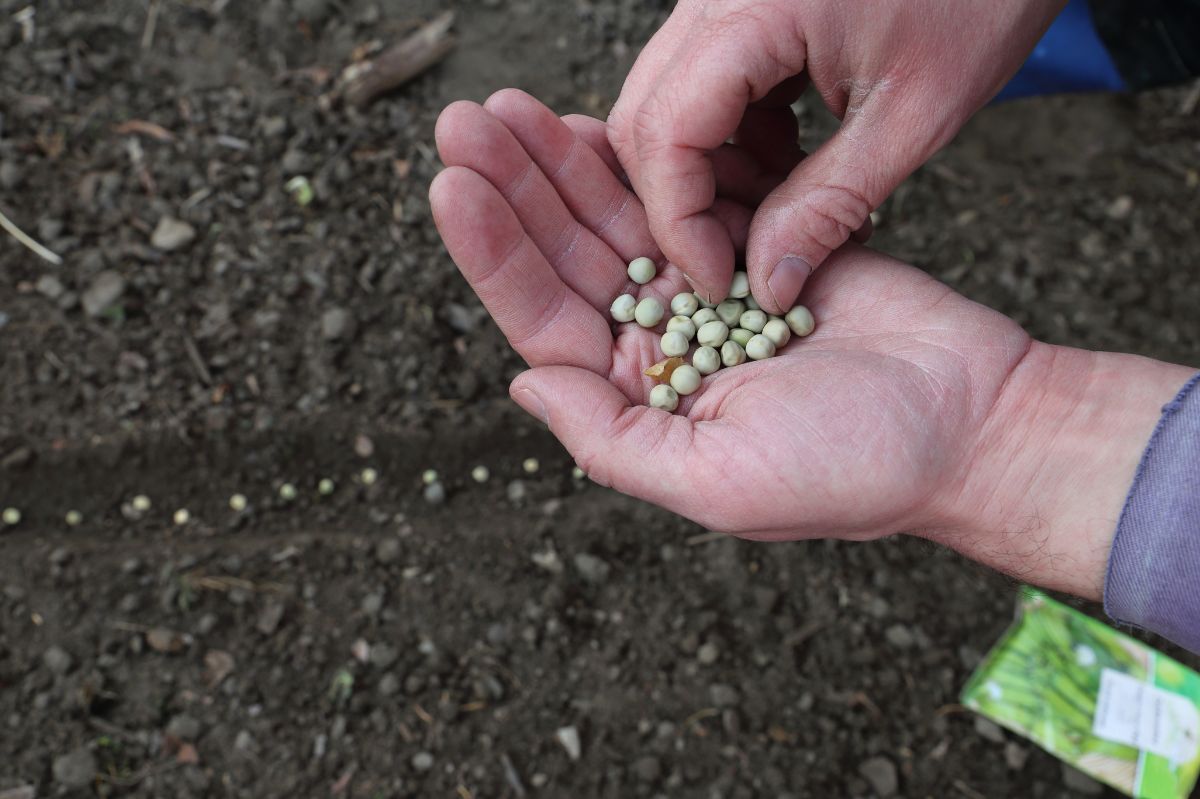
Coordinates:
(786, 280)
(532, 404)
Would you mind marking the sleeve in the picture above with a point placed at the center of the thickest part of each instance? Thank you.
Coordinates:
(1153, 577)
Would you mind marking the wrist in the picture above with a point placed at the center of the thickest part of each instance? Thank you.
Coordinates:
(1049, 472)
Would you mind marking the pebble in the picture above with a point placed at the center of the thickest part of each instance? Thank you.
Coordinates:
(708, 653)
(184, 727)
(172, 234)
(383, 655)
(104, 291)
(337, 323)
(881, 774)
(516, 491)
(435, 493)
(899, 636)
(388, 550)
(372, 604)
(74, 770)
(591, 568)
(244, 742)
(49, 286)
(422, 761)
(1015, 755)
(568, 737)
(1076, 780)
(389, 685)
(989, 730)
(58, 660)
(647, 769)
(1120, 208)
(724, 695)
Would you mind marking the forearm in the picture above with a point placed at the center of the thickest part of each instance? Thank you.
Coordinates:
(1054, 463)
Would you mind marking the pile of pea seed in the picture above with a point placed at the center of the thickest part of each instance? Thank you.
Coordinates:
(726, 333)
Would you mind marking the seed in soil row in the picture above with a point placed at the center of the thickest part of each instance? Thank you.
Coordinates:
(577, 473)
(429, 476)
(727, 333)
(141, 503)
(181, 517)
(73, 518)
(480, 474)
(325, 487)
(369, 476)
(11, 517)
(287, 492)
(238, 503)
(530, 465)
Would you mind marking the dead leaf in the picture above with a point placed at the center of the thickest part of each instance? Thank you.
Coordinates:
(218, 664)
(661, 371)
(141, 127)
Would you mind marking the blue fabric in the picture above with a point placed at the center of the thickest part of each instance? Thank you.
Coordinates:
(1154, 568)
(1069, 58)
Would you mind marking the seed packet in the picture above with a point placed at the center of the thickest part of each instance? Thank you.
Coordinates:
(1111, 706)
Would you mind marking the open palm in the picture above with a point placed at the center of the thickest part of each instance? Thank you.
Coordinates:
(866, 427)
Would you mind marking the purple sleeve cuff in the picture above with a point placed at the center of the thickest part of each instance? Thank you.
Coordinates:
(1154, 568)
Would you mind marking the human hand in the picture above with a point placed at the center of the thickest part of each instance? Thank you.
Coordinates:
(903, 77)
(910, 408)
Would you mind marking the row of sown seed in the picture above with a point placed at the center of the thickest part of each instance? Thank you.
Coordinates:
(727, 333)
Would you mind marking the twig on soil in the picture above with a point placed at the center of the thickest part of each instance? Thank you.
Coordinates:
(24, 239)
(151, 25)
(362, 82)
(704, 538)
(967, 790)
(193, 353)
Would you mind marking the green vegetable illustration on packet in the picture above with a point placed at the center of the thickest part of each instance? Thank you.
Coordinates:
(1109, 705)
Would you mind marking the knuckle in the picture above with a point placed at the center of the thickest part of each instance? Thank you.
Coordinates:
(829, 214)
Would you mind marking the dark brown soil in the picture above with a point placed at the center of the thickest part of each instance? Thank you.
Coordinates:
(374, 644)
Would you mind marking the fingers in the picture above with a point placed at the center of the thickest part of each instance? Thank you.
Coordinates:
(544, 320)
(595, 133)
(588, 187)
(696, 105)
(635, 449)
(827, 198)
(468, 136)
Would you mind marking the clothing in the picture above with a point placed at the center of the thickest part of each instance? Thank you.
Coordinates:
(1154, 569)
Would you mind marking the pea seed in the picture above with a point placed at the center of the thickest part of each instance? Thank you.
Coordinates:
(181, 517)
(649, 312)
(664, 397)
(712, 334)
(238, 503)
(287, 492)
(778, 331)
(730, 311)
(368, 476)
(674, 343)
(11, 517)
(800, 320)
(703, 316)
(684, 304)
(685, 380)
(141, 503)
(683, 325)
(642, 270)
(754, 321)
(759, 348)
(429, 476)
(577, 473)
(74, 518)
(740, 287)
(732, 354)
(325, 487)
(622, 308)
(706, 360)
(480, 474)
(751, 303)
(741, 336)
(530, 465)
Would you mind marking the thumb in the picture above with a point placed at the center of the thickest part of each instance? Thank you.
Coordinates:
(826, 198)
(635, 449)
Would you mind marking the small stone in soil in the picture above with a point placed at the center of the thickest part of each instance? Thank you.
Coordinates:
(881, 774)
(568, 738)
(103, 292)
(435, 493)
(172, 234)
(1015, 756)
(337, 323)
(647, 769)
(1076, 780)
(899, 636)
(422, 761)
(989, 730)
(58, 660)
(708, 653)
(184, 727)
(723, 695)
(74, 770)
(591, 568)
(49, 286)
